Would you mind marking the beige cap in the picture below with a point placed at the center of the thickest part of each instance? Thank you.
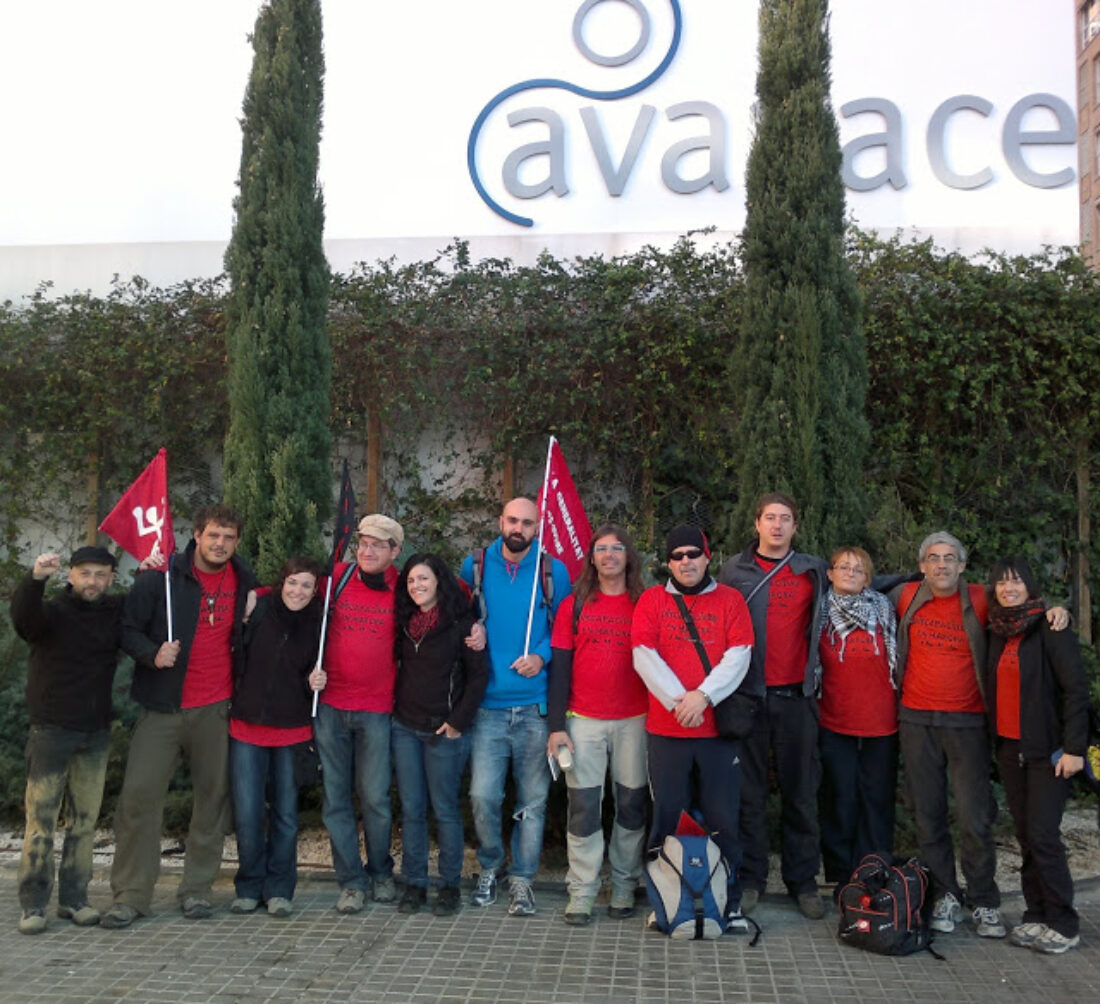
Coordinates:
(382, 527)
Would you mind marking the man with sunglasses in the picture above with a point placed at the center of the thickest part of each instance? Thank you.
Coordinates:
(669, 621)
(783, 589)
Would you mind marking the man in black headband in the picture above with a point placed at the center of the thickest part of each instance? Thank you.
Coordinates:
(74, 642)
(683, 692)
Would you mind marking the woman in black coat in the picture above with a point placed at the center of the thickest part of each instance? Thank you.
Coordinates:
(440, 684)
(1038, 702)
(268, 718)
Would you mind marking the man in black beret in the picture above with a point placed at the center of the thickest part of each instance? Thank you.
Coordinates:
(74, 641)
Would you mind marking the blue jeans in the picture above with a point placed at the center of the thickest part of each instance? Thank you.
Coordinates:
(355, 747)
(60, 763)
(262, 778)
(430, 766)
(518, 735)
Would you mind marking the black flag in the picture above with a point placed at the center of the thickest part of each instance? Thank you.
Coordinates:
(344, 525)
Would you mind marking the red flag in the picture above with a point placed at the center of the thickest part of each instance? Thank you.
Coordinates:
(565, 531)
(141, 523)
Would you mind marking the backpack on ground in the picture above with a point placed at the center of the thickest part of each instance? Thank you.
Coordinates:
(885, 907)
(686, 879)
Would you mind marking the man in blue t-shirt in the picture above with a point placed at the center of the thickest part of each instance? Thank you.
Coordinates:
(511, 723)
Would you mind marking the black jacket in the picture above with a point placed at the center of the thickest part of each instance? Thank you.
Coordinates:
(74, 654)
(145, 627)
(279, 651)
(441, 679)
(1054, 694)
(743, 572)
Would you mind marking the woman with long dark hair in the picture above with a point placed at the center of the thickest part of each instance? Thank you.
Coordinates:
(440, 684)
(269, 716)
(1037, 700)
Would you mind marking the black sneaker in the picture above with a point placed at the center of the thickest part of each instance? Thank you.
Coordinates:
(447, 902)
(414, 898)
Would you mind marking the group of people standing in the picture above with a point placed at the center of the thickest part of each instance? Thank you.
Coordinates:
(507, 665)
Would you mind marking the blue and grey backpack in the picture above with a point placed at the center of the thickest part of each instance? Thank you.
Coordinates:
(686, 879)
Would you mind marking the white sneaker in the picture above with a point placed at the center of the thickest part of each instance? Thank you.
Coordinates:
(946, 913)
(1050, 942)
(987, 922)
(1025, 935)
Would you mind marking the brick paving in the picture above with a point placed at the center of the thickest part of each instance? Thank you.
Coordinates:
(483, 955)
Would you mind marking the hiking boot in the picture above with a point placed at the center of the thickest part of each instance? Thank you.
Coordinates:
(987, 922)
(414, 898)
(118, 916)
(278, 906)
(244, 904)
(83, 915)
(620, 911)
(809, 905)
(32, 922)
(1050, 942)
(521, 901)
(946, 913)
(578, 912)
(1025, 935)
(196, 908)
(350, 901)
(384, 889)
(486, 892)
(749, 898)
(447, 902)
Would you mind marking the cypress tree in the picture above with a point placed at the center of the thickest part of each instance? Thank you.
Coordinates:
(278, 445)
(802, 380)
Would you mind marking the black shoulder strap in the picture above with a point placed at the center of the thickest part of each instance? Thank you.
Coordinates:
(344, 580)
(771, 575)
(689, 621)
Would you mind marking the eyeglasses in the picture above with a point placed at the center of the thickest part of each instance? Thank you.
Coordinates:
(609, 549)
(852, 569)
(690, 554)
(941, 559)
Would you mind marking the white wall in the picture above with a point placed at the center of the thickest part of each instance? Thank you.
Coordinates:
(122, 138)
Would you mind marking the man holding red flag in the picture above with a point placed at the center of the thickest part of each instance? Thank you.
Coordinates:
(183, 684)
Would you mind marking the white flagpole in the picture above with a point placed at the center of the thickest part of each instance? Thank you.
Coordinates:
(324, 627)
(538, 548)
(168, 598)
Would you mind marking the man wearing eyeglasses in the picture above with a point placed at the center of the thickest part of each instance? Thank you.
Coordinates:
(783, 589)
(352, 726)
(942, 731)
(669, 620)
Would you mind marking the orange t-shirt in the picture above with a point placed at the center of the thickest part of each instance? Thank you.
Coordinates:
(1008, 689)
(940, 674)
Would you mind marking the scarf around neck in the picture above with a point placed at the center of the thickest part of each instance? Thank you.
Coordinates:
(1009, 621)
(865, 611)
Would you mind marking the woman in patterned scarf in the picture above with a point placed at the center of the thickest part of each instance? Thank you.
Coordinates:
(859, 717)
(1038, 703)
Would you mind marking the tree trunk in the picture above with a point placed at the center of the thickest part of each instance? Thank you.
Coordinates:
(1084, 599)
(374, 460)
(91, 520)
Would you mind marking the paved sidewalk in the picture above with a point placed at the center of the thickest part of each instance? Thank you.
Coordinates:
(484, 955)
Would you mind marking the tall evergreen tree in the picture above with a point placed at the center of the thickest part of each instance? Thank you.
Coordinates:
(278, 445)
(802, 379)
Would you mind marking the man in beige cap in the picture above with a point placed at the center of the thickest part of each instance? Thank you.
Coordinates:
(353, 715)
